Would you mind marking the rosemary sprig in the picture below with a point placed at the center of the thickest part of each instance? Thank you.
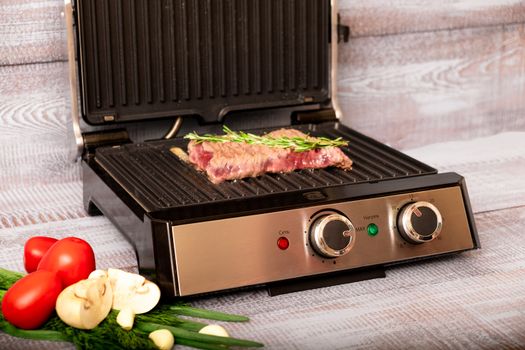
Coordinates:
(298, 144)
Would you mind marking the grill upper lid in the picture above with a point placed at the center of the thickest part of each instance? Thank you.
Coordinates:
(148, 59)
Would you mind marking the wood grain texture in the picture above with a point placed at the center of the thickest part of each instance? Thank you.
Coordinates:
(493, 167)
(35, 125)
(425, 86)
(382, 17)
(32, 205)
(414, 89)
(38, 182)
(32, 31)
(421, 88)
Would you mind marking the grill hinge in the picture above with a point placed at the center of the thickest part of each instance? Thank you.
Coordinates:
(93, 140)
(315, 117)
(343, 31)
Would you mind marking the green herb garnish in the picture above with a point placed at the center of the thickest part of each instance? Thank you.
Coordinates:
(198, 337)
(207, 314)
(8, 278)
(108, 335)
(298, 144)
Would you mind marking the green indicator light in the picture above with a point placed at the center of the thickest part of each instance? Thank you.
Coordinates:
(372, 229)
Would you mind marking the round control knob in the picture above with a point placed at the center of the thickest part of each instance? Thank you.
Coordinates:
(332, 235)
(419, 222)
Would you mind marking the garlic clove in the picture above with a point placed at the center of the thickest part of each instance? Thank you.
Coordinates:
(214, 329)
(125, 318)
(179, 152)
(162, 338)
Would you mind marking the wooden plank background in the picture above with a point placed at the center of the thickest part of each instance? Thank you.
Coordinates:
(425, 71)
(383, 17)
(32, 31)
(428, 87)
(415, 73)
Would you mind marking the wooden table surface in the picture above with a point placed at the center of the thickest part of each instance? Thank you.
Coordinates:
(444, 81)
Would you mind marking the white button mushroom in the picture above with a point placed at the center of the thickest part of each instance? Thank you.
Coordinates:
(86, 303)
(162, 338)
(133, 291)
(97, 274)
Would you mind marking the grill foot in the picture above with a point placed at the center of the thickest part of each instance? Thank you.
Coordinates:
(92, 209)
(300, 284)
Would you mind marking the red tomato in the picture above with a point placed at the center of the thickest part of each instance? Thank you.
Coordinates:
(72, 258)
(29, 302)
(34, 250)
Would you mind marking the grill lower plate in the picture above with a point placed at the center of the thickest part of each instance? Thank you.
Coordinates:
(157, 179)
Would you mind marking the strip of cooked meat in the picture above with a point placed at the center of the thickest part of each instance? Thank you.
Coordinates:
(233, 160)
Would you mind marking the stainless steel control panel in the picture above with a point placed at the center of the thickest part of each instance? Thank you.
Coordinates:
(257, 249)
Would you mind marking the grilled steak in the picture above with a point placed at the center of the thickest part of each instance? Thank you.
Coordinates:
(234, 160)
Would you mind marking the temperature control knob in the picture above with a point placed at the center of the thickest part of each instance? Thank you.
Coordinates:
(332, 235)
(419, 222)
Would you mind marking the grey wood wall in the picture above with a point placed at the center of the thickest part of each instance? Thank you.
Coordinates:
(423, 71)
(414, 71)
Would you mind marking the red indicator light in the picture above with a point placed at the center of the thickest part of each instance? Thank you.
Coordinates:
(283, 243)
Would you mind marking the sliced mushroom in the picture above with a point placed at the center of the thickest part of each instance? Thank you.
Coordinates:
(133, 291)
(86, 303)
(98, 273)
